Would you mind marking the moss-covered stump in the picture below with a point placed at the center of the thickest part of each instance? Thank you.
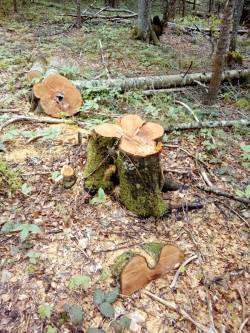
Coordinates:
(99, 162)
(140, 181)
(133, 145)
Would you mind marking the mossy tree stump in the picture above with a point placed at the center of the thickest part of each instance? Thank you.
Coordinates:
(134, 147)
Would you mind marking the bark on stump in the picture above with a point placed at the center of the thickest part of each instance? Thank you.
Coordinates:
(133, 146)
(98, 162)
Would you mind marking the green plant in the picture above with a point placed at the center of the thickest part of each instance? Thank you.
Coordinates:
(24, 228)
(44, 311)
(100, 197)
(77, 281)
(245, 155)
(26, 189)
(245, 193)
(51, 329)
(33, 256)
(104, 301)
(10, 180)
(74, 312)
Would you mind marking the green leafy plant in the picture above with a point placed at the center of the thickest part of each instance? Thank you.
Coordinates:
(74, 312)
(51, 329)
(26, 189)
(104, 301)
(100, 197)
(24, 228)
(10, 180)
(245, 155)
(33, 256)
(77, 281)
(44, 311)
(245, 193)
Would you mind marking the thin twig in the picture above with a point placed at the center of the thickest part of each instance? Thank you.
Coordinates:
(243, 303)
(223, 194)
(236, 213)
(188, 108)
(174, 307)
(205, 178)
(180, 270)
(103, 60)
(243, 324)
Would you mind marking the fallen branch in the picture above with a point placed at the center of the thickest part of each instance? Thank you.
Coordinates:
(207, 124)
(117, 10)
(46, 120)
(243, 324)
(158, 82)
(223, 194)
(188, 109)
(151, 92)
(180, 270)
(174, 307)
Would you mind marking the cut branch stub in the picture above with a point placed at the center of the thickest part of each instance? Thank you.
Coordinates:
(58, 96)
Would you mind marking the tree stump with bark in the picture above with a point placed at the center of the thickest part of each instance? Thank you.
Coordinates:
(128, 153)
(57, 96)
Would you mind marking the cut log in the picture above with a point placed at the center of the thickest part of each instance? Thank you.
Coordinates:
(136, 274)
(159, 82)
(69, 177)
(38, 69)
(55, 64)
(134, 147)
(207, 124)
(58, 96)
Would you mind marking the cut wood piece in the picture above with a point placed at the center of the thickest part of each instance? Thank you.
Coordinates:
(58, 96)
(136, 274)
(159, 82)
(55, 64)
(38, 69)
(69, 177)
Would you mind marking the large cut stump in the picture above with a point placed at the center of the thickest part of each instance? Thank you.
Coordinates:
(133, 146)
(57, 96)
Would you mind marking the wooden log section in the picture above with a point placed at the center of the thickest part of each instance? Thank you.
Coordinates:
(57, 96)
(134, 147)
(38, 69)
(159, 82)
(69, 177)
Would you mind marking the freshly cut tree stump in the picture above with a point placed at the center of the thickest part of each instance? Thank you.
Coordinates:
(38, 69)
(69, 177)
(58, 97)
(133, 146)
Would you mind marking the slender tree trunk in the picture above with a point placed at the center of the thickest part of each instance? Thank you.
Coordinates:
(183, 12)
(78, 23)
(15, 6)
(236, 21)
(169, 11)
(211, 6)
(111, 3)
(222, 49)
(194, 5)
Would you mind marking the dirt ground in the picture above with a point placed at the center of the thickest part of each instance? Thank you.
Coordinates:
(79, 238)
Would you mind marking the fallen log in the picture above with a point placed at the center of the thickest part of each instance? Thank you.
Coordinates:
(207, 124)
(159, 82)
(38, 68)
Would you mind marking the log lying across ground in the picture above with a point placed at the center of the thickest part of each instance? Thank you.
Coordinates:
(207, 124)
(159, 82)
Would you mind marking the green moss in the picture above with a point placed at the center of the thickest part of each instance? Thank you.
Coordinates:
(153, 248)
(98, 161)
(243, 103)
(140, 188)
(9, 179)
(120, 262)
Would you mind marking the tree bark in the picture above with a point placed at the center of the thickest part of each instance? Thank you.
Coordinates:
(169, 11)
(15, 6)
(111, 3)
(207, 124)
(236, 21)
(219, 58)
(78, 22)
(158, 82)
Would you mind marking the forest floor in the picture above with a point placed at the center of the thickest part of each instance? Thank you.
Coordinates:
(80, 238)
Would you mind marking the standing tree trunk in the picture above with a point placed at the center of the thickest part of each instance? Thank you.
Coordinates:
(144, 30)
(111, 3)
(15, 6)
(236, 21)
(194, 5)
(78, 22)
(183, 8)
(219, 58)
(211, 6)
(169, 11)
